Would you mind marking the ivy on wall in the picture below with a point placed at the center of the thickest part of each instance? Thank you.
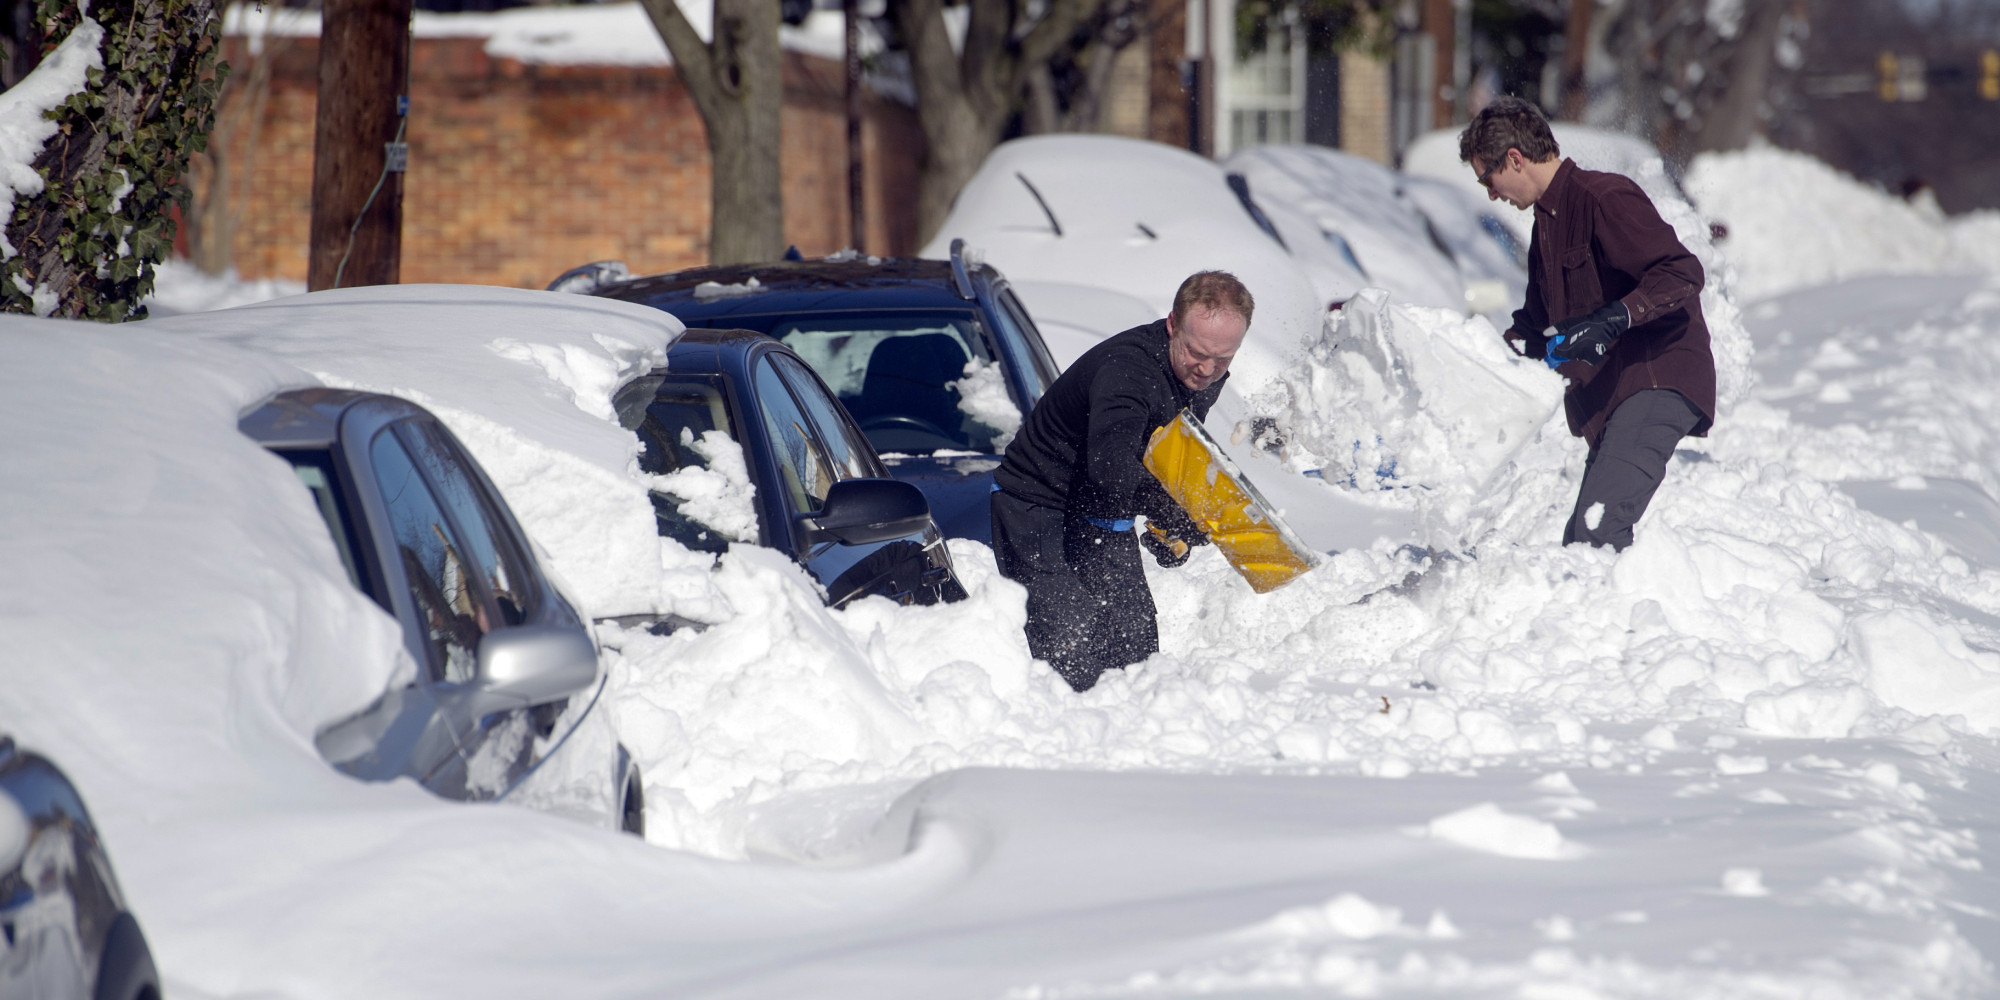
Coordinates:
(90, 241)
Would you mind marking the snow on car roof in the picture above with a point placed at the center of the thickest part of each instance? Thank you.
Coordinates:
(1137, 217)
(1361, 202)
(524, 378)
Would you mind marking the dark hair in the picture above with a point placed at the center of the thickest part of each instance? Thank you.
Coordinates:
(1213, 290)
(1507, 123)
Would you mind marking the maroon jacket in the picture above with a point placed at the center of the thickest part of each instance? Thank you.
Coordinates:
(1597, 238)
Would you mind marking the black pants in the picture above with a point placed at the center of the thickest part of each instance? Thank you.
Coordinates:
(1626, 466)
(1089, 609)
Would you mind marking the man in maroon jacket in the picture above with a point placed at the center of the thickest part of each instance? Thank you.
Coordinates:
(1624, 297)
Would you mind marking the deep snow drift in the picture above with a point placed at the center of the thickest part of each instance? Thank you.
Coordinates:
(1751, 756)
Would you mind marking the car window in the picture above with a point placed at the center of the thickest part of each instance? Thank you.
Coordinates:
(807, 472)
(440, 578)
(314, 467)
(844, 444)
(488, 547)
(896, 372)
(1040, 368)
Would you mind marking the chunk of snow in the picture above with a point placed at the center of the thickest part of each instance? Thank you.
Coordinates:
(1485, 827)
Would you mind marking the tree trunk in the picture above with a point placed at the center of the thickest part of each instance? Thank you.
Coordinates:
(965, 99)
(737, 83)
(1736, 115)
(87, 244)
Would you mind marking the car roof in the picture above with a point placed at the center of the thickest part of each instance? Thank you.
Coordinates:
(703, 351)
(306, 418)
(798, 286)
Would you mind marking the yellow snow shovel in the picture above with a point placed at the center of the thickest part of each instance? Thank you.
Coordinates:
(1216, 495)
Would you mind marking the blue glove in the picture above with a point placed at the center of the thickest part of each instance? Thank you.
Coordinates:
(1549, 353)
(1589, 338)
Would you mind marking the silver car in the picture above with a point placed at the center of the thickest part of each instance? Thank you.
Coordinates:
(501, 653)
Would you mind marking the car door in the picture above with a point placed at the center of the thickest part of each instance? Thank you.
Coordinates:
(814, 445)
(457, 574)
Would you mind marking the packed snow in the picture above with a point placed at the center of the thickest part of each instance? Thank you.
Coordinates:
(1751, 756)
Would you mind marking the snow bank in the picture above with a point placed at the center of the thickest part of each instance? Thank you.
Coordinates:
(1826, 226)
(180, 287)
(1751, 603)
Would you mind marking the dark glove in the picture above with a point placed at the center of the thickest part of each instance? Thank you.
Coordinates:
(1167, 550)
(1588, 338)
(1527, 345)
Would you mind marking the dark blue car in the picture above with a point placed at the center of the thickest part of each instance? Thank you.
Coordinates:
(821, 493)
(937, 361)
(64, 927)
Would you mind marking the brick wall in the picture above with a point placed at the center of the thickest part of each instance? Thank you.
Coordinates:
(519, 172)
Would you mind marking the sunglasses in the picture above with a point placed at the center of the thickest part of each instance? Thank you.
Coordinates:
(1486, 179)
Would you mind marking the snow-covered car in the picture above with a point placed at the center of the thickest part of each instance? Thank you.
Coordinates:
(937, 361)
(1357, 204)
(733, 409)
(1492, 261)
(500, 650)
(1136, 218)
(68, 931)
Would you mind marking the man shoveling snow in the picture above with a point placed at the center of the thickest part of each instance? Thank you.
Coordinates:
(1632, 342)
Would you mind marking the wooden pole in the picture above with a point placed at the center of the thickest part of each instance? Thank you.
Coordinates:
(357, 192)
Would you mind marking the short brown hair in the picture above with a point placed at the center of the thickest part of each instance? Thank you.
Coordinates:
(1507, 123)
(1213, 290)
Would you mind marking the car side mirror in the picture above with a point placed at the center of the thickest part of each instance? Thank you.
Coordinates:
(531, 664)
(861, 511)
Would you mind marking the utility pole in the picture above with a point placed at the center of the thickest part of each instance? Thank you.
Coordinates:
(359, 150)
(856, 207)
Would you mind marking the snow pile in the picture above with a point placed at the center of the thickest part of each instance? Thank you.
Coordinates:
(180, 287)
(1399, 395)
(1829, 226)
(1756, 600)
(717, 492)
(1486, 827)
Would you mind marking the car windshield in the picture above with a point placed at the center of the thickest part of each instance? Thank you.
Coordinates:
(916, 383)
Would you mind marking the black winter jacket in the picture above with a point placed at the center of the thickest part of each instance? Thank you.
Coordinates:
(1083, 447)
